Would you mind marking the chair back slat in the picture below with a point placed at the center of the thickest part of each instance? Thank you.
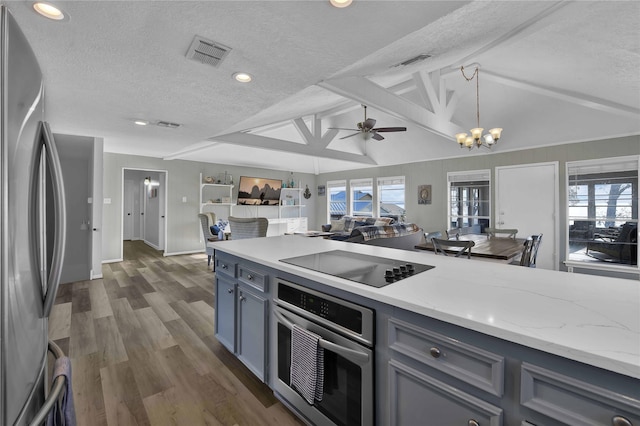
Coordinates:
(248, 227)
(530, 251)
(494, 232)
(460, 247)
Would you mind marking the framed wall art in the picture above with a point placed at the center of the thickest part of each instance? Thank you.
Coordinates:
(424, 194)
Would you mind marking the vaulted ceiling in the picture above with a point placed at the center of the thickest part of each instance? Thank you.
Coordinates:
(550, 73)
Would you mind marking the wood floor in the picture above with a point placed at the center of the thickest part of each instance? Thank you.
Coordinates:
(143, 352)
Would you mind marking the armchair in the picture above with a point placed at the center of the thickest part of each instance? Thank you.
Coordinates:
(207, 235)
(248, 227)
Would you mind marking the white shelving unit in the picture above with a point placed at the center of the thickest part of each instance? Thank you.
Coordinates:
(290, 203)
(216, 198)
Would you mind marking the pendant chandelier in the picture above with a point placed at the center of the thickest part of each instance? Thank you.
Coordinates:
(477, 139)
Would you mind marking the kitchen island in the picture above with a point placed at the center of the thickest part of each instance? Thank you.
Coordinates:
(543, 344)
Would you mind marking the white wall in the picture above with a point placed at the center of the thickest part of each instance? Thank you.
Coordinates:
(183, 229)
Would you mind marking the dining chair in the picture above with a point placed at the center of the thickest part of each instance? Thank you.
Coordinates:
(493, 232)
(530, 251)
(429, 235)
(207, 235)
(460, 247)
(248, 227)
(453, 233)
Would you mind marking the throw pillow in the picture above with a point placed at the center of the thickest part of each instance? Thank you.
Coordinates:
(381, 223)
(359, 223)
(337, 225)
(215, 230)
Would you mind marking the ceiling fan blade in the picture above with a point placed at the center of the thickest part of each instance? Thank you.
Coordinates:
(390, 129)
(368, 123)
(377, 136)
(342, 128)
(344, 137)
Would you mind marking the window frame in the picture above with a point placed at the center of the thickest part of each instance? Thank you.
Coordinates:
(360, 183)
(332, 184)
(594, 173)
(391, 180)
(469, 176)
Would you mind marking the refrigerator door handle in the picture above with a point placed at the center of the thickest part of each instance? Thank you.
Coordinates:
(55, 271)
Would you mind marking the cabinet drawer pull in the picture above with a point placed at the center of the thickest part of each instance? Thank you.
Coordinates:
(229, 290)
(473, 422)
(242, 298)
(620, 421)
(435, 352)
(250, 277)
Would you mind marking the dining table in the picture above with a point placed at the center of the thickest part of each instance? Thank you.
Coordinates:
(502, 249)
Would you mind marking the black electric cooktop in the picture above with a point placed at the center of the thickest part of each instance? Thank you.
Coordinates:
(370, 270)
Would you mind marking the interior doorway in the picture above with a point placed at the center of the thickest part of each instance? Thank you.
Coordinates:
(144, 207)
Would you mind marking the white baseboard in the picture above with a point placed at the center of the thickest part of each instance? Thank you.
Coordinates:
(112, 260)
(178, 253)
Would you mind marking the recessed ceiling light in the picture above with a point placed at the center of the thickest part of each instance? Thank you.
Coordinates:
(141, 122)
(242, 77)
(49, 11)
(340, 3)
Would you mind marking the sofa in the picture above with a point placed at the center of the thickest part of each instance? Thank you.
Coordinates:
(404, 236)
(343, 227)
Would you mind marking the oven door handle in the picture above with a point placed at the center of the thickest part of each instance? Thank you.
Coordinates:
(357, 357)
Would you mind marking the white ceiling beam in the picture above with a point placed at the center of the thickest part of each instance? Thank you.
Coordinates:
(368, 93)
(272, 144)
(565, 95)
(314, 137)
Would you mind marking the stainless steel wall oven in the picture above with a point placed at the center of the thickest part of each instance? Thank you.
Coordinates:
(346, 333)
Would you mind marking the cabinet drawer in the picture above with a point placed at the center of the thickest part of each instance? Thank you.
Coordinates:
(256, 279)
(418, 399)
(226, 267)
(574, 402)
(479, 368)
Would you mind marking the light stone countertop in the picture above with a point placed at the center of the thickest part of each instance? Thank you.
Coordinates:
(590, 319)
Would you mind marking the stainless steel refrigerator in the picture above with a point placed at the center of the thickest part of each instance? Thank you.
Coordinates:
(33, 227)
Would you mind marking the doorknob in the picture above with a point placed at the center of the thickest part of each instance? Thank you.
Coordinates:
(95, 229)
(128, 214)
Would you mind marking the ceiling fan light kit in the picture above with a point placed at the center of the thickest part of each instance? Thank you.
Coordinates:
(477, 139)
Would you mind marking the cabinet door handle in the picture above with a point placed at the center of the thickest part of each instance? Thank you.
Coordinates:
(473, 422)
(620, 421)
(250, 277)
(435, 352)
(242, 298)
(229, 290)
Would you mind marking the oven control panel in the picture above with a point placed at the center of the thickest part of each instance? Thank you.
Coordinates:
(333, 310)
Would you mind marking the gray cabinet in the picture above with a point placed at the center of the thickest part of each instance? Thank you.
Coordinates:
(225, 323)
(241, 314)
(252, 329)
(416, 397)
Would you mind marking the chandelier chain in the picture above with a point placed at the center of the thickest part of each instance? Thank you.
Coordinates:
(475, 74)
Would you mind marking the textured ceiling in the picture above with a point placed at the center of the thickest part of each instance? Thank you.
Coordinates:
(551, 72)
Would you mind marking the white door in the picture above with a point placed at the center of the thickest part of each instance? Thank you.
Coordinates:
(527, 199)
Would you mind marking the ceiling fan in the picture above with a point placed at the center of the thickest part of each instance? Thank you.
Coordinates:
(366, 129)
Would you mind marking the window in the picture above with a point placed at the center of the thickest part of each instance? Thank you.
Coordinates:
(336, 199)
(391, 195)
(602, 211)
(361, 197)
(469, 198)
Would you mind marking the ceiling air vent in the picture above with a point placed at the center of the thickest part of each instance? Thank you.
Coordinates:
(413, 60)
(168, 124)
(207, 51)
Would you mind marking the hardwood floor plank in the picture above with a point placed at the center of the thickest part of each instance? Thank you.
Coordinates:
(110, 348)
(200, 324)
(122, 400)
(129, 326)
(161, 307)
(82, 335)
(65, 293)
(87, 391)
(60, 321)
(154, 329)
(100, 305)
(150, 375)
